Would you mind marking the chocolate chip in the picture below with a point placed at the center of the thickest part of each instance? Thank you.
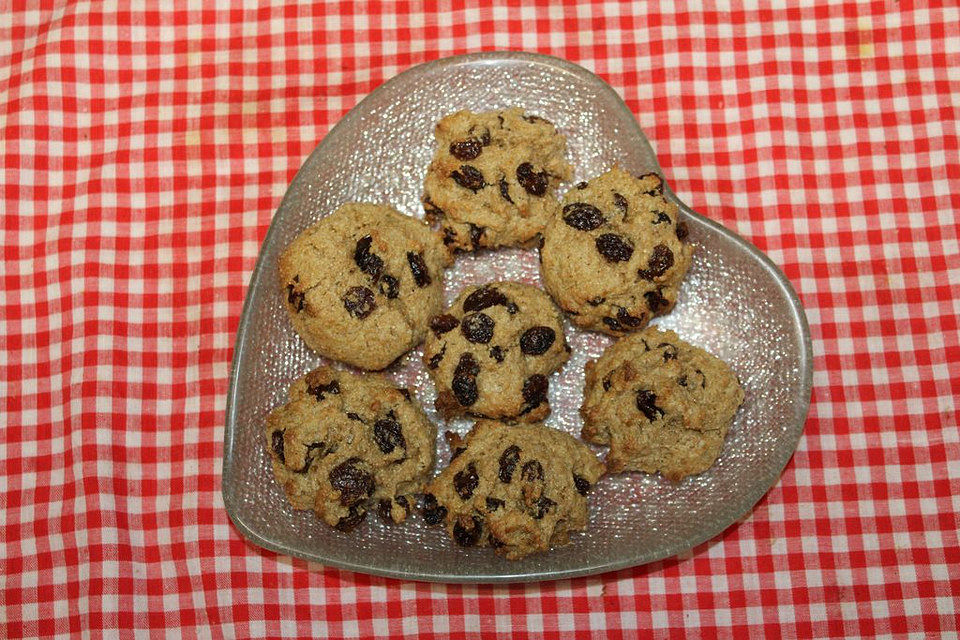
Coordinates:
(656, 301)
(319, 390)
(350, 521)
(497, 353)
(421, 275)
(466, 481)
(662, 218)
(476, 234)
(388, 434)
(532, 182)
(660, 260)
(505, 190)
(508, 462)
(467, 149)
(646, 403)
(484, 297)
(628, 320)
(443, 323)
(464, 384)
(614, 248)
(682, 231)
(433, 512)
(389, 286)
(437, 357)
(536, 341)
(369, 263)
(352, 482)
(535, 390)
(276, 441)
(582, 484)
(297, 299)
(466, 532)
(477, 328)
(469, 178)
(669, 350)
(544, 504)
(621, 202)
(359, 302)
(531, 471)
(583, 216)
(493, 504)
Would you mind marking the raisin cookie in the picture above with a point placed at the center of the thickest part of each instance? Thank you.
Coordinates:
(490, 353)
(347, 442)
(519, 489)
(492, 178)
(360, 284)
(615, 255)
(660, 404)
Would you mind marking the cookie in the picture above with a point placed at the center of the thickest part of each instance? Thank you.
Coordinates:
(491, 352)
(346, 443)
(519, 489)
(360, 284)
(660, 404)
(492, 179)
(615, 255)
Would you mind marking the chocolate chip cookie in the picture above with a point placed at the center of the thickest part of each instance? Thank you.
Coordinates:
(519, 489)
(493, 176)
(360, 284)
(346, 443)
(660, 404)
(616, 254)
(490, 353)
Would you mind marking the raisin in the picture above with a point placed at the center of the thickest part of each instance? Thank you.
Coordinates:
(512, 308)
(449, 236)
(433, 512)
(455, 453)
(544, 504)
(310, 455)
(388, 434)
(497, 353)
(389, 286)
(456, 444)
(354, 416)
(318, 390)
(351, 520)
(646, 403)
(583, 216)
(531, 471)
(431, 210)
(359, 302)
(656, 301)
(477, 328)
(606, 383)
(405, 393)
(484, 297)
(532, 182)
(446, 404)
(352, 482)
(597, 301)
(533, 119)
(493, 504)
(582, 484)
(660, 260)
(613, 323)
(276, 441)
(682, 380)
(621, 202)
(402, 501)
(384, 507)
(421, 275)
(682, 231)
(443, 323)
(370, 263)
(436, 358)
(614, 248)
(464, 384)
(467, 149)
(467, 535)
(535, 390)
(508, 462)
(466, 481)
(657, 190)
(661, 217)
(628, 320)
(505, 190)
(669, 351)
(581, 186)
(469, 178)
(536, 341)
(297, 299)
(476, 234)
(703, 379)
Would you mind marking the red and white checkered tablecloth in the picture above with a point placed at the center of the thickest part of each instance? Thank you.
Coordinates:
(145, 151)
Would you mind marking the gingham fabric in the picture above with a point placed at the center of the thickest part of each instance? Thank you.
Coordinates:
(145, 151)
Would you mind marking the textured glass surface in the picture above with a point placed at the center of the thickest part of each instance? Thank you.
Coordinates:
(734, 303)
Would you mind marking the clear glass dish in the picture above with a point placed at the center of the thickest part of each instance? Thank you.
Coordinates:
(735, 303)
